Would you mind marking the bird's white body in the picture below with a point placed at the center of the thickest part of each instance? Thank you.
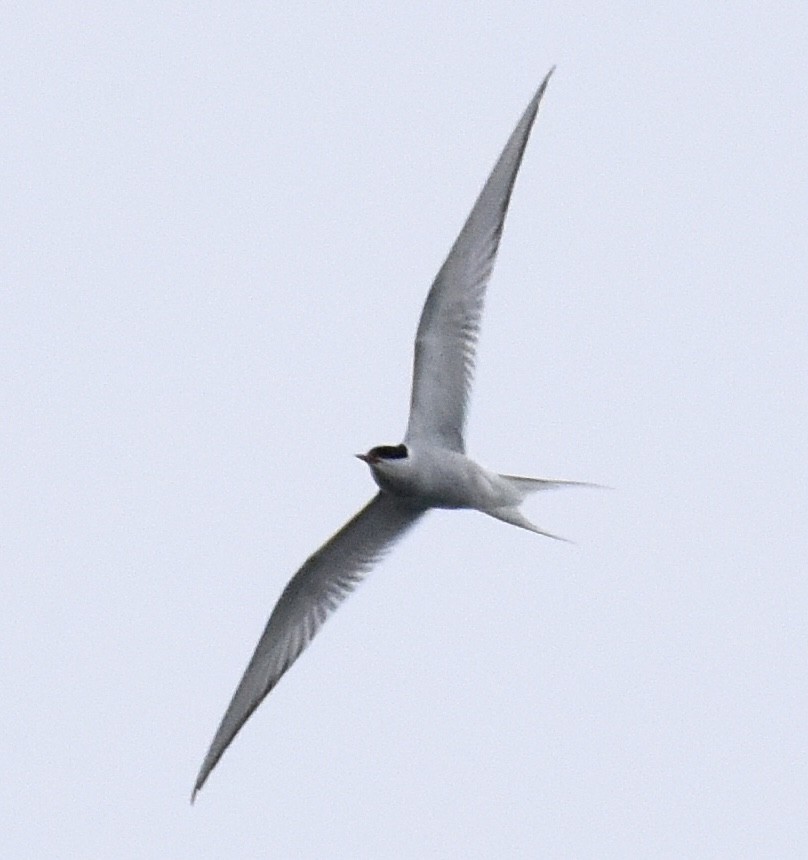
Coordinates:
(429, 469)
(431, 477)
(435, 477)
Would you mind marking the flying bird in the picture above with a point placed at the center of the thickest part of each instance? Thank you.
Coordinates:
(429, 469)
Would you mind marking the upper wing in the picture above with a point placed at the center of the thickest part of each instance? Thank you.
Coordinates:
(312, 594)
(450, 320)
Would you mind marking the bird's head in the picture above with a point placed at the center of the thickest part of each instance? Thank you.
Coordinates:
(383, 455)
(390, 466)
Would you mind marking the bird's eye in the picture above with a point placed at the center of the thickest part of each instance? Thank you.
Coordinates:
(390, 452)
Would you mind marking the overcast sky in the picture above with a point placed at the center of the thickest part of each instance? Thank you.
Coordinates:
(219, 227)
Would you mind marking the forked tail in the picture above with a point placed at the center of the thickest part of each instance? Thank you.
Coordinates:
(523, 487)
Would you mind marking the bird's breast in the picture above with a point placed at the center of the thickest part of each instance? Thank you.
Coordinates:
(441, 479)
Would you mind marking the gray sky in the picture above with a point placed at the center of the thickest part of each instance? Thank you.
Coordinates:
(218, 230)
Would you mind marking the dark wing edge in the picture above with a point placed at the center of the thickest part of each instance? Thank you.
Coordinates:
(447, 333)
(310, 597)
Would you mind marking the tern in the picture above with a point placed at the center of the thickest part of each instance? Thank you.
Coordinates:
(429, 469)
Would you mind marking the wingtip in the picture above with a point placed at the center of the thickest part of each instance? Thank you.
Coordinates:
(533, 107)
(200, 781)
(543, 84)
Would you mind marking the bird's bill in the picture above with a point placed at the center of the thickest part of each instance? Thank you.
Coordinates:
(364, 457)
